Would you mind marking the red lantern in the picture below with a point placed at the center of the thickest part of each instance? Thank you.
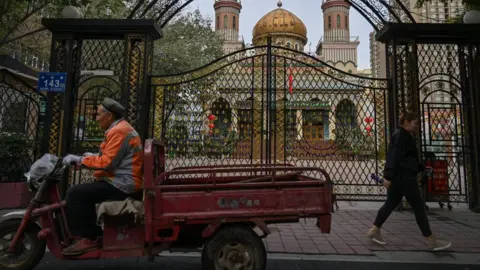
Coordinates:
(368, 120)
(211, 126)
(368, 128)
(211, 117)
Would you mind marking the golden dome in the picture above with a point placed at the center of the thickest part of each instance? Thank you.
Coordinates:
(280, 22)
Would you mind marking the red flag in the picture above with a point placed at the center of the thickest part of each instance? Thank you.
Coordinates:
(290, 81)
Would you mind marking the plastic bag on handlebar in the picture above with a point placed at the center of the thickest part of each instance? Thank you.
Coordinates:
(42, 166)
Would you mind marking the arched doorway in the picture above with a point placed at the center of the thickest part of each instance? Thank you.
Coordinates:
(345, 116)
(443, 139)
(220, 136)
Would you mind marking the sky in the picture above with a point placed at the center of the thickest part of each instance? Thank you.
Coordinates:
(310, 12)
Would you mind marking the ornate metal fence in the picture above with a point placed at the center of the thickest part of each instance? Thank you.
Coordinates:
(434, 75)
(270, 104)
(22, 116)
(274, 105)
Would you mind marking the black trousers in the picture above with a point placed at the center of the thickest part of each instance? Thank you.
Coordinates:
(405, 185)
(81, 200)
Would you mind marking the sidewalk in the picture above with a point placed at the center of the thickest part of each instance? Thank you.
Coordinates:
(349, 228)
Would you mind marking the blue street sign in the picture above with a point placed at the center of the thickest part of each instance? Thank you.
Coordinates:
(52, 81)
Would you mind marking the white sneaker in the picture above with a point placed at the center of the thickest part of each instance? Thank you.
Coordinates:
(375, 235)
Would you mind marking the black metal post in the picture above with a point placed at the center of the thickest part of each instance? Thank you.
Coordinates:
(392, 74)
(468, 74)
(269, 103)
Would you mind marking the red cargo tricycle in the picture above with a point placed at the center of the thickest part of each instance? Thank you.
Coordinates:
(216, 208)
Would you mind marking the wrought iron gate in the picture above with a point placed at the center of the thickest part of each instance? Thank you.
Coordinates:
(444, 109)
(270, 104)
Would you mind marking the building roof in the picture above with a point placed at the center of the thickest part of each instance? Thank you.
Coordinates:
(280, 22)
(16, 68)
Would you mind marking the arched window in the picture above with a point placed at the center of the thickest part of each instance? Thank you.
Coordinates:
(218, 22)
(346, 22)
(289, 45)
(338, 21)
(349, 71)
(314, 120)
(234, 22)
(223, 112)
(329, 22)
(225, 22)
(296, 47)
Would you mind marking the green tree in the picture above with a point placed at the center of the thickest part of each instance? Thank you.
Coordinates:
(22, 20)
(189, 42)
(16, 13)
(469, 5)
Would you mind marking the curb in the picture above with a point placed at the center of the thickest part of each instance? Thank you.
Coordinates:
(399, 257)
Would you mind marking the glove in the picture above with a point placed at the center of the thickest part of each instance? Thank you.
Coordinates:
(71, 159)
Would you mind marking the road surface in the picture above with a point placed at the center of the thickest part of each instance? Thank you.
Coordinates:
(193, 263)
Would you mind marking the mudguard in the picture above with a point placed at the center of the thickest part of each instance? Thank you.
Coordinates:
(16, 214)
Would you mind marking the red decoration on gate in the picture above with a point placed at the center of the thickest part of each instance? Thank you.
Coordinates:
(369, 120)
(290, 81)
(211, 126)
(211, 117)
(368, 128)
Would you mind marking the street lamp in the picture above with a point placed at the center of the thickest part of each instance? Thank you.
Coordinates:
(71, 12)
(472, 17)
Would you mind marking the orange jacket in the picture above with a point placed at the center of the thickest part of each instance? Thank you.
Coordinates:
(120, 160)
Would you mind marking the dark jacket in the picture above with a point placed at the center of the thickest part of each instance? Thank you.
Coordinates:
(402, 155)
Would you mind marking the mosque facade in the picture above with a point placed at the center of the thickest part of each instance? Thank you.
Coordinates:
(321, 108)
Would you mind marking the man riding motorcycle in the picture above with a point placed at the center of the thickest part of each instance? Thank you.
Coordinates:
(118, 175)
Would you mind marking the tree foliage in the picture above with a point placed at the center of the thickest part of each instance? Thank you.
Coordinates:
(20, 17)
(189, 42)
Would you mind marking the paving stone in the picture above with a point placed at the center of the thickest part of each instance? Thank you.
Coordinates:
(349, 228)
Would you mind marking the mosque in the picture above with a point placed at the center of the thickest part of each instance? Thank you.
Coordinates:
(328, 105)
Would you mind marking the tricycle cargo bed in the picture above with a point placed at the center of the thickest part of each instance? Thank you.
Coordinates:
(243, 193)
(206, 192)
(299, 200)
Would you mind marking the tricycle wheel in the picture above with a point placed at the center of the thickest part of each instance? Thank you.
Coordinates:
(29, 251)
(234, 248)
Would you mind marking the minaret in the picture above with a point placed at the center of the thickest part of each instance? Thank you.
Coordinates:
(337, 47)
(227, 23)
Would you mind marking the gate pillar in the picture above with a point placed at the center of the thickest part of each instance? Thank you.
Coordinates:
(94, 53)
(69, 54)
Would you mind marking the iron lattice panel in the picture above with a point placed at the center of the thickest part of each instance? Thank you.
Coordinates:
(22, 115)
(443, 111)
(91, 89)
(323, 123)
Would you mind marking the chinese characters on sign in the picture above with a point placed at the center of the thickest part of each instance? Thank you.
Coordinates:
(52, 82)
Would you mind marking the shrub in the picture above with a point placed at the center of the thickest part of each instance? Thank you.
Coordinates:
(15, 156)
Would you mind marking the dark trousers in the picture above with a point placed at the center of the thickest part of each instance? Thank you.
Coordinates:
(81, 200)
(405, 185)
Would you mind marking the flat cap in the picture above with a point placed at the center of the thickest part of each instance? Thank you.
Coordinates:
(113, 106)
